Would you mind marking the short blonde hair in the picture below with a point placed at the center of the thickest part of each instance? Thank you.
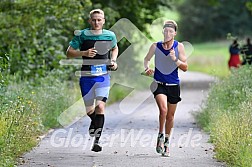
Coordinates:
(171, 22)
(99, 11)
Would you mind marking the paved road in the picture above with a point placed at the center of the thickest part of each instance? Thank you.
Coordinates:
(129, 138)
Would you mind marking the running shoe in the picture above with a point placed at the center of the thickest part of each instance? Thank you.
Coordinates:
(166, 152)
(96, 148)
(160, 144)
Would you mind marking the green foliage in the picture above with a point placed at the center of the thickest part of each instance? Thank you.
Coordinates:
(249, 6)
(36, 33)
(227, 115)
(233, 140)
(211, 58)
(20, 124)
(4, 66)
(54, 96)
(138, 12)
(26, 111)
(208, 20)
(118, 92)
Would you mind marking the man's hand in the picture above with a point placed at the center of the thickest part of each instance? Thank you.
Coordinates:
(113, 65)
(91, 52)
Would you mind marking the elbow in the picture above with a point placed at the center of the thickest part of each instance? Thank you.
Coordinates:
(68, 53)
(185, 68)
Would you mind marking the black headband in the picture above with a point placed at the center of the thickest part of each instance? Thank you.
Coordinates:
(170, 25)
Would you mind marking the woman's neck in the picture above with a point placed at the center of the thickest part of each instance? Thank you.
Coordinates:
(168, 44)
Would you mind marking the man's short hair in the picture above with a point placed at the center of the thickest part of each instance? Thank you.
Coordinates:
(172, 22)
(99, 11)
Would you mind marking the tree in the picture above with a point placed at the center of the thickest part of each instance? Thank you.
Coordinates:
(34, 33)
(213, 19)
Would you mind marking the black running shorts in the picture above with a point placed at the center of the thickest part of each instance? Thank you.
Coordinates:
(171, 91)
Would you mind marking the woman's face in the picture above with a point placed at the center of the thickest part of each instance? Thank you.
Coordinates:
(169, 33)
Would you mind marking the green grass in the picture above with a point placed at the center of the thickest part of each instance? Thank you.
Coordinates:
(210, 58)
(28, 110)
(118, 92)
(227, 116)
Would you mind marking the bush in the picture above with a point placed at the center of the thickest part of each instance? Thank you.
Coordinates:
(4, 62)
(28, 109)
(228, 116)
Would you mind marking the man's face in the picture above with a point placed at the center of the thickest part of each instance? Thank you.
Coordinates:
(97, 21)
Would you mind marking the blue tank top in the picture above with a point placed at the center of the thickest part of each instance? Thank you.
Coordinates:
(166, 70)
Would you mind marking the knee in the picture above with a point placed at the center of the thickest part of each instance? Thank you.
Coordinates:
(169, 118)
(99, 109)
(163, 111)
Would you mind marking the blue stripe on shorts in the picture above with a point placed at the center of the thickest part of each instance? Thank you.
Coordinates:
(94, 86)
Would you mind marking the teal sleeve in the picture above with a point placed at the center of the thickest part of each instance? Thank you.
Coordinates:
(75, 43)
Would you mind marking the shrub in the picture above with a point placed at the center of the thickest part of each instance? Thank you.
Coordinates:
(228, 116)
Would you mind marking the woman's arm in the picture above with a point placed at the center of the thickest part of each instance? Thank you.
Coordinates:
(147, 59)
(182, 62)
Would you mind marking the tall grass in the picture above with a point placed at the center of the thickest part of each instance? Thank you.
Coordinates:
(28, 110)
(228, 117)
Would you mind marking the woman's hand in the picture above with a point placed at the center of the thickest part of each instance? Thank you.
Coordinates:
(172, 55)
(149, 71)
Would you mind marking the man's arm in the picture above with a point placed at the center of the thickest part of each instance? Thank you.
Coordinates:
(114, 54)
(73, 53)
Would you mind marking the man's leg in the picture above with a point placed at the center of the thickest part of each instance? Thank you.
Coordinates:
(99, 119)
(102, 94)
(91, 113)
(87, 86)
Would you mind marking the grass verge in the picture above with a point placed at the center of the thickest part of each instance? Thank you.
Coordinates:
(227, 115)
(28, 110)
(210, 58)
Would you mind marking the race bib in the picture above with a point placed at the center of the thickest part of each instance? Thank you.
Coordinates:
(98, 69)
